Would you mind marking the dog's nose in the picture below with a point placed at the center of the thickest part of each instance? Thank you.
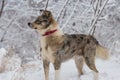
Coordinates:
(29, 24)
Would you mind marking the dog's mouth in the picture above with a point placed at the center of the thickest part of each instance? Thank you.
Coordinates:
(44, 20)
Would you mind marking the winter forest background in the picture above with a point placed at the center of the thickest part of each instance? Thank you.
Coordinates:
(19, 44)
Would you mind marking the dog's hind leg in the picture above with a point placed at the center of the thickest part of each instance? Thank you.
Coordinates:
(89, 55)
(57, 65)
(46, 69)
(79, 63)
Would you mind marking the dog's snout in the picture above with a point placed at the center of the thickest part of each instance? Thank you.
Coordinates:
(31, 25)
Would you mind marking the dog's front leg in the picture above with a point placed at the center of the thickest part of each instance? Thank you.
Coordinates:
(46, 69)
(57, 69)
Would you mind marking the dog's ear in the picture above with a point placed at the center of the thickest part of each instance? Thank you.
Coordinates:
(47, 13)
(41, 10)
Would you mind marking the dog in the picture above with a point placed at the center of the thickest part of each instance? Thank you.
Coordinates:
(57, 47)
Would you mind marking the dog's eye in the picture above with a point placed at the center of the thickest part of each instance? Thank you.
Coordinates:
(38, 22)
(44, 20)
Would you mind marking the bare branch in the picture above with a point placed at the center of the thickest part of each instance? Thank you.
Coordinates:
(46, 4)
(61, 11)
(71, 14)
(93, 27)
(3, 3)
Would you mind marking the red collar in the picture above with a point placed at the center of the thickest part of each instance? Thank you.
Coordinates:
(49, 32)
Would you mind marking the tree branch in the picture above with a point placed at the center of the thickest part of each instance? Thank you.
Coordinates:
(97, 15)
(46, 4)
(3, 3)
(59, 15)
(9, 24)
(71, 14)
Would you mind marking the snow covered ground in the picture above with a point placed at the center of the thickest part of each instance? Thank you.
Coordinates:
(33, 70)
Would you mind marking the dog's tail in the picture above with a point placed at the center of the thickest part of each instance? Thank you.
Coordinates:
(102, 52)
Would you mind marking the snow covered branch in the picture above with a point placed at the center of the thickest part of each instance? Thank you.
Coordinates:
(98, 9)
(72, 13)
(9, 24)
(61, 11)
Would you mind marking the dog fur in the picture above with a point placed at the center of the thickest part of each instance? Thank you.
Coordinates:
(58, 47)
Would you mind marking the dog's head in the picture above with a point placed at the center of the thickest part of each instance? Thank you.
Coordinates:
(43, 21)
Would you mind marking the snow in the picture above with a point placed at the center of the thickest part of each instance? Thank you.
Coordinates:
(2, 53)
(33, 70)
